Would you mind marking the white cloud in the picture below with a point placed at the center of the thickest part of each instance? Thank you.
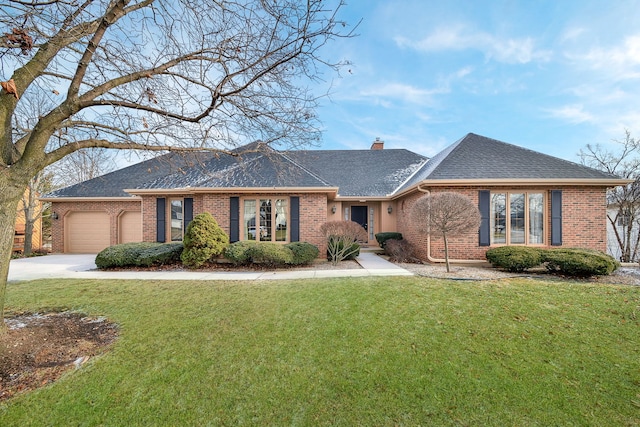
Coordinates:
(403, 92)
(572, 113)
(621, 61)
(509, 50)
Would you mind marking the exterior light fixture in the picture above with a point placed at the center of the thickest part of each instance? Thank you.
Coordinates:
(333, 209)
(54, 215)
(390, 209)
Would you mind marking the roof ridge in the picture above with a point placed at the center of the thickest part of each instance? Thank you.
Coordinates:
(316, 176)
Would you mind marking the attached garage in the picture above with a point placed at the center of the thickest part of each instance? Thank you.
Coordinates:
(130, 227)
(86, 232)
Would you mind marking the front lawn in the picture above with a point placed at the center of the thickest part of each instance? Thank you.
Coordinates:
(367, 351)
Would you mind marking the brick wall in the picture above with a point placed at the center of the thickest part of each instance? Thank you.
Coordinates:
(113, 208)
(583, 221)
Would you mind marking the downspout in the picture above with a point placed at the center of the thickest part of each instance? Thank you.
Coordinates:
(441, 260)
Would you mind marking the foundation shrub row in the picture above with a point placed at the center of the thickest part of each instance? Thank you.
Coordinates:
(568, 262)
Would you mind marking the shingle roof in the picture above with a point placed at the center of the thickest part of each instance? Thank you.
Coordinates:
(356, 173)
(477, 157)
(366, 173)
(113, 184)
(360, 173)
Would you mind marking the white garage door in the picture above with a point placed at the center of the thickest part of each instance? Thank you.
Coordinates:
(130, 227)
(86, 232)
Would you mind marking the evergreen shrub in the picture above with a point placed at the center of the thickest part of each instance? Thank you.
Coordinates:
(382, 238)
(303, 252)
(203, 240)
(515, 258)
(579, 262)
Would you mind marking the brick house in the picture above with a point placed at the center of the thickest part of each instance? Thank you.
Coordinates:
(525, 197)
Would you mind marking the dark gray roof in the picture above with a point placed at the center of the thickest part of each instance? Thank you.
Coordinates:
(356, 173)
(264, 167)
(113, 184)
(365, 173)
(479, 157)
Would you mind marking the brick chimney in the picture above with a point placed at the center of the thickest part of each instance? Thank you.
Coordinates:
(377, 144)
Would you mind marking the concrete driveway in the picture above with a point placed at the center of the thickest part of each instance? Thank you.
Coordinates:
(50, 266)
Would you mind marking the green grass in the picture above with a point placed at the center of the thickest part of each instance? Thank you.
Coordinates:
(371, 351)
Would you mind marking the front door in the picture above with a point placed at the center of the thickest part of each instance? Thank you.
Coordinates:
(359, 215)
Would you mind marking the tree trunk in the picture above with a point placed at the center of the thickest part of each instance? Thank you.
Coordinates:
(9, 199)
(446, 251)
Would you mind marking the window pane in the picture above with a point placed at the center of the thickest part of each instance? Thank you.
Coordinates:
(516, 224)
(281, 220)
(176, 220)
(498, 218)
(536, 218)
(265, 220)
(249, 220)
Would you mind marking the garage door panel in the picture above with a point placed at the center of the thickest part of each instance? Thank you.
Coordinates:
(87, 232)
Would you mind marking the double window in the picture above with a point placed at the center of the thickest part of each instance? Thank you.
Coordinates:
(517, 218)
(265, 220)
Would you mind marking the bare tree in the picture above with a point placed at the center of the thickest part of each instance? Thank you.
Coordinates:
(343, 239)
(161, 75)
(447, 215)
(81, 165)
(623, 201)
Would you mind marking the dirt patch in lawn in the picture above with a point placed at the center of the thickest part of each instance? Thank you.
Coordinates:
(38, 348)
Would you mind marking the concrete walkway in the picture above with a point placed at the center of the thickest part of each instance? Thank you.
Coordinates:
(84, 267)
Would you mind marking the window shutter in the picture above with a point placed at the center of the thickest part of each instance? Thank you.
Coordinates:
(484, 206)
(294, 210)
(234, 219)
(188, 211)
(556, 217)
(161, 219)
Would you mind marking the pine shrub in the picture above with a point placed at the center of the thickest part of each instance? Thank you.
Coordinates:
(303, 252)
(203, 240)
(382, 238)
(579, 262)
(514, 258)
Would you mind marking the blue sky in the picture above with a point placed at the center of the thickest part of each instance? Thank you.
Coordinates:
(551, 76)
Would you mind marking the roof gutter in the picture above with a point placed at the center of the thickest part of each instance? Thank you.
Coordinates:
(522, 182)
(332, 191)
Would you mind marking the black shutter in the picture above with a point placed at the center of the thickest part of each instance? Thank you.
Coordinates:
(161, 219)
(484, 206)
(234, 219)
(294, 211)
(556, 217)
(188, 211)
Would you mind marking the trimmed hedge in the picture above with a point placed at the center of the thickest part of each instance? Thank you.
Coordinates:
(514, 258)
(238, 252)
(579, 262)
(303, 252)
(271, 254)
(142, 254)
(565, 261)
(387, 235)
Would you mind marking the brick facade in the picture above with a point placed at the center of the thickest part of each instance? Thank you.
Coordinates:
(583, 221)
(583, 218)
